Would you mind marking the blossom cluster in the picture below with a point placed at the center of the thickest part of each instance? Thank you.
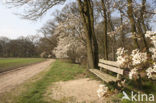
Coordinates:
(151, 70)
(137, 60)
(122, 57)
(70, 37)
(153, 51)
(138, 57)
(102, 90)
(130, 61)
(152, 36)
(66, 43)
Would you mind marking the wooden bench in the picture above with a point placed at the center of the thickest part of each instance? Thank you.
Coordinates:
(109, 66)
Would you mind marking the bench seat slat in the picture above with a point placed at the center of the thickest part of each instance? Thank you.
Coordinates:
(111, 68)
(113, 63)
(106, 77)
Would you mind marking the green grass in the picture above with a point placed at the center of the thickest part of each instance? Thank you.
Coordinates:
(60, 71)
(148, 87)
(12, 63)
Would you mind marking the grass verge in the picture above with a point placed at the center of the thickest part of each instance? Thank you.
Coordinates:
(148, 87)
(13, 95)
(59, 71)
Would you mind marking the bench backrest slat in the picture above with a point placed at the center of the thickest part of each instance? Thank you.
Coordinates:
(111, 68)
(111, 63)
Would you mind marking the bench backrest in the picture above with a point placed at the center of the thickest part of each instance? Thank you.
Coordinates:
(111, 66)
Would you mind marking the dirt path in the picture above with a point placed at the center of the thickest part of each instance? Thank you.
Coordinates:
(75, 91)
(11, 79)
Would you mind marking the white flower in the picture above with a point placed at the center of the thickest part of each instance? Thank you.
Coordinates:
(135, 52)
(152, 36)
(120, 51)
(102, 90)
(154, 67)
(149, 72)
(153, 50)
(66, 43)
(149, 33)
(132, 72)
(120, 60)
(137, 57)
(122, 56)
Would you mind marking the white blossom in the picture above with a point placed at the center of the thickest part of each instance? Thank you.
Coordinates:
(70, 36)
(153, 51)
(154, 67)
(152, 36)
(120, 60)
(138, 57)
(151, 70)
(120, 51)
(65, 44)
(149, 34)
(102, 90)
(132, 72)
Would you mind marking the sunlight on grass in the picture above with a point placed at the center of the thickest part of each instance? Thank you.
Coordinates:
(59, 71)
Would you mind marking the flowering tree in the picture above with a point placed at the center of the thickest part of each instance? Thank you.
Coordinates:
(139, 63)
(67, 44)
(71, 43)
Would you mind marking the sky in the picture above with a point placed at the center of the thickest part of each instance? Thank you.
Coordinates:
(13, 26)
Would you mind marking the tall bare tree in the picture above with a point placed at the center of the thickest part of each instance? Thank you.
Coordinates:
(86, 12)
(132, 22)
(105, 29)
(140, 23)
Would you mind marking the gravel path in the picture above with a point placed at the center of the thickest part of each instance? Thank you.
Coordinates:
(11, 79)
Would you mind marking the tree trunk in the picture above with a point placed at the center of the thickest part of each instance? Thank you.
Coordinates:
(113, 38)
(132, 22)
(142, 15)
(86, 13)
(95, 44)
(141, 21)
(142, 34)
(122, 34)
(105, 30)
